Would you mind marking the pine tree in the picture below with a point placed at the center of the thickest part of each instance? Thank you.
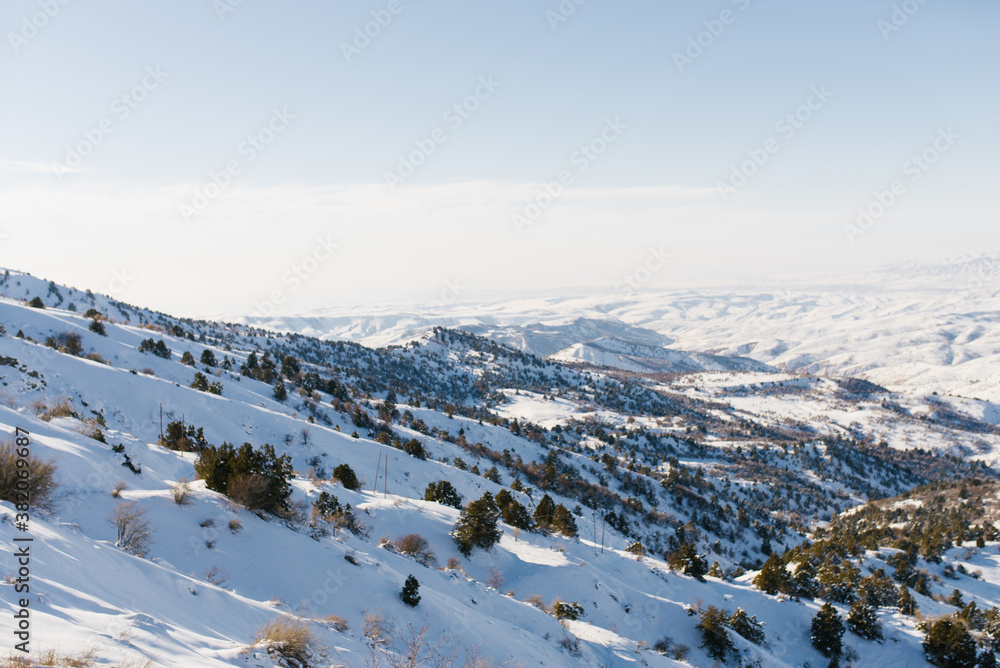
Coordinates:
(345, 474)
(715, 638)
(863, 620)
(477, 525)
(948, 645)
(208, 358)
(280, 393)
(409, 594)
(444, 492)
(563, 522)
(827, 631)
(906, 603)
(187, 358)
(545, 512)
(747, 626)
(513, 513)
(773, 577)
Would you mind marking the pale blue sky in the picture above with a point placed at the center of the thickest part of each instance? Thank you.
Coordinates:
(324, 174)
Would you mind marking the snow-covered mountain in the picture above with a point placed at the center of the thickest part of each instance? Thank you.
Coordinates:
(709, 468)
(639, 358)
(927, 327)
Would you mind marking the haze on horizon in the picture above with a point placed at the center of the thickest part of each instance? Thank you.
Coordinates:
(196, 157)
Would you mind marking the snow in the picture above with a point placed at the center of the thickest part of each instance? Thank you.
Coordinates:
(87, 593)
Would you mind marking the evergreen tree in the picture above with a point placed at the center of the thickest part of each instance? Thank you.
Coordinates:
(97, 327)
(878, 589)
(345, 474)
(687, 559)
(208, 358)
(409, 594)
(863, 620)
(715, 638)
(906, 603)
(280, 393)
(563, 521)
(444, 492)
(773, 577)
(477, 525)
(260, 476)
(200, 382)
(827, 631)
(513, 513)
(948, 645)
(747, 626)
(545, 512)
(187, 358)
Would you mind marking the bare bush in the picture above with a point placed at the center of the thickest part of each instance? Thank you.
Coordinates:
(375, 627)
(134, 531)
(417, 547)
(291, 639)
(180, 491)
(217, 575)
(250, 491)
(39, 485)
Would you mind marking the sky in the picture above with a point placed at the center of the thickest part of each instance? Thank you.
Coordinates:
(224, 156)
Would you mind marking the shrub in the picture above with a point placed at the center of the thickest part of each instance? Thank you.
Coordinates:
(289, 638)
(62, 408)
(261, 478)
(134, 533)
(444, 492)
(158, 348)
(36, 302)
(208, 358)
(37, 488)
(180, 492)
(337, 622)
(97, 327)
(187, 358)
(564, 610)
(409, 594)
(375, 627)
(477, 525)
(417, 547)
(345, 474)
(415, 448)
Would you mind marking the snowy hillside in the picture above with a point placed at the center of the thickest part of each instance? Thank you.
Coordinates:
(647, 485)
